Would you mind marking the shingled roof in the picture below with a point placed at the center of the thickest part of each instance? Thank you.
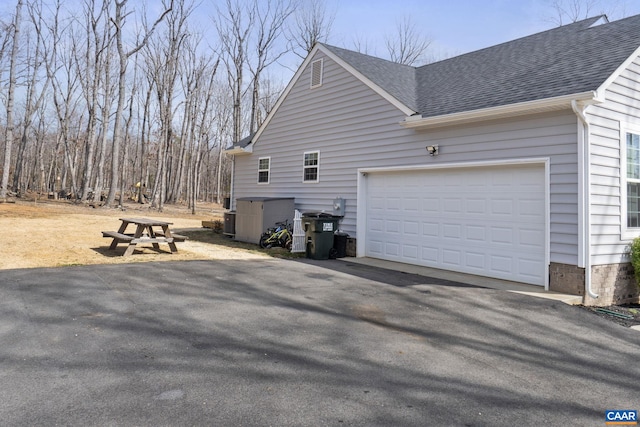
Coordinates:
(574, 58)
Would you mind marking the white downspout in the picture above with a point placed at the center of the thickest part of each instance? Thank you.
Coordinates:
(586, 193)
(231, 184)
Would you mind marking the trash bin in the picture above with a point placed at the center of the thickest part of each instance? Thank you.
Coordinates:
(319, 228)
(340, 243)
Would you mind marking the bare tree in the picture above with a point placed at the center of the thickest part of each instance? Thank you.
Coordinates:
(90, 62)
(8, 134)
(164, 56)
(79, 122)
(271, 16)
(234, 26)
(312, 24)
(567, 11)
(362, 45)
(34, 93)
(407, 46)
(118, 20)
(107, 96)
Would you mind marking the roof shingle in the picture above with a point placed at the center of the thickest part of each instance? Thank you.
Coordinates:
(574, 58)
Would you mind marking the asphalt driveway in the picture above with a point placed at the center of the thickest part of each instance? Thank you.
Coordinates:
(289, 343)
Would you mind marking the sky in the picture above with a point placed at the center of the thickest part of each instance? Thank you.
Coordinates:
(454, 26)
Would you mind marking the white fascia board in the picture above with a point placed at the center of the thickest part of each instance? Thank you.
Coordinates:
(604, 86)
(503, 111)
(377, 89)
(239, 151)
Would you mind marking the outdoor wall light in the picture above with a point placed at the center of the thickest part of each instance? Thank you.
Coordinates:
(433, 150)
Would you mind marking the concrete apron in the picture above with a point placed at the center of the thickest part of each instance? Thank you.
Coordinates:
(470, 279)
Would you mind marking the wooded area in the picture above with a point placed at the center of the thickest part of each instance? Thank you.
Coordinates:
(107, 99)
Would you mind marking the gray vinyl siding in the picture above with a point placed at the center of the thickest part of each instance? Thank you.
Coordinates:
(353, 127)
(622, 107)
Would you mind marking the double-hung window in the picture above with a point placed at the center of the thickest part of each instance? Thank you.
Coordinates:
(264, 169)
(311, 166)
(631, 189)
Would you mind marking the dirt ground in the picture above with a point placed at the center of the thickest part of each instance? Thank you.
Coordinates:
(59, 233)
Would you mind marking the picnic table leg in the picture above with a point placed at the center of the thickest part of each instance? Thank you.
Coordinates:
(132, 246)
(167, 234)
(153, 236)
(115, 241)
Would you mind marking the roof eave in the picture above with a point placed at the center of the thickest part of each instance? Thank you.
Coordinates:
(239, 151)
(502, 111)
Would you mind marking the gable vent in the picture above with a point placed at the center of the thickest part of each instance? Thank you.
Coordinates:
(316, 73)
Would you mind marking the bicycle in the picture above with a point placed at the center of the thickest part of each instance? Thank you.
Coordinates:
(278, 236)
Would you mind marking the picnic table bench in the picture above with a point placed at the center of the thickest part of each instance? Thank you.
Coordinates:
(144, 233)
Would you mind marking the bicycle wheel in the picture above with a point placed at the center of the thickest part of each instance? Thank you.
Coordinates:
(264, 241)
(287, 241)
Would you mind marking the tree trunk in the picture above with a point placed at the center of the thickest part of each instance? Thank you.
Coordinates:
(8, 135)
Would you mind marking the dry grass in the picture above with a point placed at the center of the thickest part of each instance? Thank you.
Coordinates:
(53, 234)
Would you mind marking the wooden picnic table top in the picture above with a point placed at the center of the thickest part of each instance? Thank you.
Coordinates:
(144, 234)
(145, 221)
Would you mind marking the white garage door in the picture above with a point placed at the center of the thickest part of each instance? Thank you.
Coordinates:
(488, 221)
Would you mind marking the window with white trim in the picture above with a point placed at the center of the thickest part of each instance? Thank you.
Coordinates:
(264, 169)
(317, 67)
(630, 181)
(311, 166)
(633, 179)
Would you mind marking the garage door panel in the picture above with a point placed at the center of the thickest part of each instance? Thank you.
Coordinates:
(501, 264)
(489, 221)
(392, 226)
(392, 249)
(451, 231)
(476, 233)
(476, 260)
(476, 207)
(410, 251)
(429, 255)
(532, 238)
(430, 229)
(411, 228)
(451, 257)
(376, 224)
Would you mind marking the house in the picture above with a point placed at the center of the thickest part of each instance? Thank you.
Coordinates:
(520, 161)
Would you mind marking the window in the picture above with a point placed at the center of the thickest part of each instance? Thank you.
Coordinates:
(311, 166)
(316, 73)
(633, 180)
(630, 182)
(264, 164)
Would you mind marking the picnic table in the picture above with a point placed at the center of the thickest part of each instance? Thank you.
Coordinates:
(147, 230)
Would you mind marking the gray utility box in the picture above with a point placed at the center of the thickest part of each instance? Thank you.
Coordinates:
(254, 215)
(229, 223)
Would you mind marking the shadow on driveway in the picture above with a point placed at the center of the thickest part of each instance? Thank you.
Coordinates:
(279, 342)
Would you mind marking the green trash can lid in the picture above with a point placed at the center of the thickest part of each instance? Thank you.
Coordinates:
(317, 215)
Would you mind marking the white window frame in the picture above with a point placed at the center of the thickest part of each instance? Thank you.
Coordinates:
(267, 170)
(305, 167)
(626, 232)
(319, 63)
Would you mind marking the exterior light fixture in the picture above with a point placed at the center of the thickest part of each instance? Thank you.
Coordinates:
(432, 150)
